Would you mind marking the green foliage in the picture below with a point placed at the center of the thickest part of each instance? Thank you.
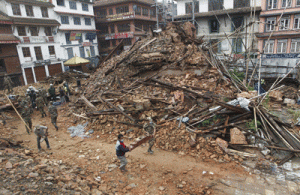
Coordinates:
(235, 73)
(250, 88)
(266, 101)
(251, 124)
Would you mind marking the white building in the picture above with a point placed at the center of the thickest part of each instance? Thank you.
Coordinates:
(34, 24)
(77, 32)
(217, 19)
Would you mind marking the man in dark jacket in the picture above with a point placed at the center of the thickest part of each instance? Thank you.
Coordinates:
(121, 149)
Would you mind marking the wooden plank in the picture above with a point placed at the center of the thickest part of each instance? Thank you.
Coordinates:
(87, 102)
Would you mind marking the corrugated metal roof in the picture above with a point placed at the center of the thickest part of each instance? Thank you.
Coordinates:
(111, 2)
(35, 21)
(32, 2)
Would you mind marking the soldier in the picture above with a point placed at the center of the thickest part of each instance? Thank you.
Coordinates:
(150, 129)
(26, 115)
(43, 93)
(51, 91)
(40, 104)
(53, 114)
(41, 132)
(7, 83)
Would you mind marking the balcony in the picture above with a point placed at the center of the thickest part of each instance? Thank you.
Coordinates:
(37, 39)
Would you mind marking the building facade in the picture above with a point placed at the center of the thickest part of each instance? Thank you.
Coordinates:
(217, 19)
(77, 30)
(35, 27)
(118, 20)
(279, 36)
(9, 60)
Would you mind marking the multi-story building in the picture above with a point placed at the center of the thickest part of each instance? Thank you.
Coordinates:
(77, 32)
(279, 35)
(216, 20)
(120, 19)
(33, 24)
(9, 60)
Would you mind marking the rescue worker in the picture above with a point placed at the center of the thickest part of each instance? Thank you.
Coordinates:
(26, 115)
(40, 104)
(32, 96)
(53, 114)
(8, 84)
(43, 93)
(41, 132)
(150, 129)
(52, 94)
(121, 149)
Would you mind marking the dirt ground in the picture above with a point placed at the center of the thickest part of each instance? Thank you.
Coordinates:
(163, 172)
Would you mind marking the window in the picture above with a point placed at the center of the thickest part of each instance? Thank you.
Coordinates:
(85, 7)
(214, 26)
(298, 2)
(60, 2)
(110, 11)
(88, 21)
(281, 46)
(295, 46)
(215, 5)
(297, 22)
(241, 3)
(286, 3)
(65, 19)
(92, 51)
(237, 45)
(124, 27)
(16, 9)
(237, 23)
(269, 46)
(34, 31)
(189, 7)
(29, 10)
(26, 52)
(44, 12)
(270, 24)
(51, 50)
(272, 4)
(137, 9)
(122, 9)
(152, 12)
(70, 52)
(67, 35)
(145, 12)
(102, 13)
(21, 31)
(138, 26)
(103, 29)
(73, 5)
(127, 41)
(146, 27)
(112, 28)
(38, 53)
(2, 65)
(82, 53)
(284, 23)
(48, 31)
(77, 21)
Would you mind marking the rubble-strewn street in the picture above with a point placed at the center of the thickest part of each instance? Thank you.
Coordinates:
(212, 134)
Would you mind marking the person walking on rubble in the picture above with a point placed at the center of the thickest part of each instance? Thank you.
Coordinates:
(41, 132)
(8, 84)
(51, 91)
(121, 149)
(150, 129)
(62, 95)
(26, 115)
(40, 104)
(43, 93)
(53, 114)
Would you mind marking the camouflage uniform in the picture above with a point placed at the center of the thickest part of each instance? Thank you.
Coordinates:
(53, 114)
(7, 84)
(26, 115)
(41, 132)
(40, 105)
(149, 128)
(43, 93)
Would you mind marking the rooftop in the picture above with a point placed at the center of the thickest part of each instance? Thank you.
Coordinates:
(35, 21)
(8, 38)
(112, 2)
